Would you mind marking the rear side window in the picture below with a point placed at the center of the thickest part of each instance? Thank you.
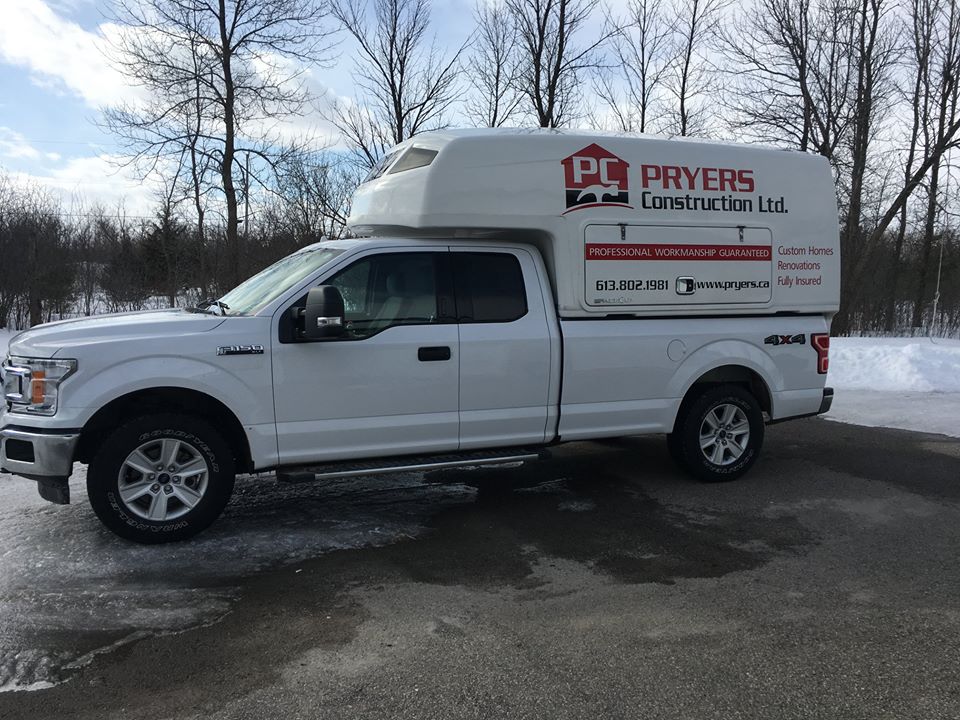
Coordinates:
(381, 167)
(489, 287)
(413, 158)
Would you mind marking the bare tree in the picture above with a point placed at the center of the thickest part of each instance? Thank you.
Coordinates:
(552, 66)
(690, 75)
(217, 78)
(942, 138)
(920, 28)
(406, 83)
(642, 50)
(940, 90)
(794, 73)
(874, 53)
(316, 190)
(493, 67)
(32, 230)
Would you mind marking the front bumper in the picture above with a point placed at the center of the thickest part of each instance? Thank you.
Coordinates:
(46, 457)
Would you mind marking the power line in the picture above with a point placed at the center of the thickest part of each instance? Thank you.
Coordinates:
(34, 141)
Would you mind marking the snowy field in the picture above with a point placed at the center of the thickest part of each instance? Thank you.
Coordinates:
(907, 383)
(80, 591)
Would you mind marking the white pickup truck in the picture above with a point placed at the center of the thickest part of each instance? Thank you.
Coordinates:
(506, 291)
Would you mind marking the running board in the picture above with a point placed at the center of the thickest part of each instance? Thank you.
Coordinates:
(410, 463)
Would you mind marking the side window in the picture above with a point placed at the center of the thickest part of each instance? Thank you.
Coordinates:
(381, 291)
(489, 287)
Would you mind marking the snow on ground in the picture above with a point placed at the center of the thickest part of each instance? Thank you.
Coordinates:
(907, 383)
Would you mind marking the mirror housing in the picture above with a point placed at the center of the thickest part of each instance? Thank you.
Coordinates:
(323, 315)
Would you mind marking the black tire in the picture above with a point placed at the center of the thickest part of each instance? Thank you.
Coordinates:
(103, 478)
(693, 416)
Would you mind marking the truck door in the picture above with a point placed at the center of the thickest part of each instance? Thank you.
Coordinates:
(390, 385)
(505, 348)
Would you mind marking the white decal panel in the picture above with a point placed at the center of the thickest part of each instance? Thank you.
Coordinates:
(665, 265)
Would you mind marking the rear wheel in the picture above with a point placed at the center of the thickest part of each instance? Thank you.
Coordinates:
(161, 478)
(718, 434)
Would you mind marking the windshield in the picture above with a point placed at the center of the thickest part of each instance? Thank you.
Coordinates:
(253, 295)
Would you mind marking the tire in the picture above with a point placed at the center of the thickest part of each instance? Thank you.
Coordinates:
(713, 450)
(134, 487)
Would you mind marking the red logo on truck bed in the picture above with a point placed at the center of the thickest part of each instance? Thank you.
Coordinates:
(595, 177)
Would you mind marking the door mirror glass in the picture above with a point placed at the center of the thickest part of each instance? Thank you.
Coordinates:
(323, 315)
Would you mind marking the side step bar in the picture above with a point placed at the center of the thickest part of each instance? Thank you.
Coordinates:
(410, 463)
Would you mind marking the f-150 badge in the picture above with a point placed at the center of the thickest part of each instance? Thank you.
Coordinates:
(240, 350)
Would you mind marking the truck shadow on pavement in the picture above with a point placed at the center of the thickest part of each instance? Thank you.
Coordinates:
(596, 508)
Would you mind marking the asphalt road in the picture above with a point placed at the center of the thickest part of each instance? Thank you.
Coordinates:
(599, 584)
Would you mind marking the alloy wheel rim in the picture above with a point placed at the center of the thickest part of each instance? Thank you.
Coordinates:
(163, 479)
(724, 434)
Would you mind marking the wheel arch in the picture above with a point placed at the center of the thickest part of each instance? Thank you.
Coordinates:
(733, 361)
(165, 399)
(732, 374)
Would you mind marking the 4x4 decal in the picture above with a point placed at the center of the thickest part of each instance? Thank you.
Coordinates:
(785, 340)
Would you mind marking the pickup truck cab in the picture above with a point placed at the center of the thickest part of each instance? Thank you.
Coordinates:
(506, 291)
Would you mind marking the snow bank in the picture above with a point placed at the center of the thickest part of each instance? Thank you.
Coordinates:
(895, 364)
(906, 383)
(5, 336)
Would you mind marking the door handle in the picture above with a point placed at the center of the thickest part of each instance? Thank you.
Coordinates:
(433, 354)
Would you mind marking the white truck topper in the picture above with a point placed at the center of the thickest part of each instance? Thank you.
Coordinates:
(627, 225)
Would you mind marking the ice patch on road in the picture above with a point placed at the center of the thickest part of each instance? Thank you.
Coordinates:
(905, 383)
(69, 589)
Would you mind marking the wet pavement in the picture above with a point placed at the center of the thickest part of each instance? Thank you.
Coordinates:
(601, 583)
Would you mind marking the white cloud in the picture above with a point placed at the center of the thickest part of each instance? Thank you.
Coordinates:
(15, 145)
(59, 52)
(98, 180)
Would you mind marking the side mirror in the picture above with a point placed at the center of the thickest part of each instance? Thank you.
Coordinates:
(323, 315)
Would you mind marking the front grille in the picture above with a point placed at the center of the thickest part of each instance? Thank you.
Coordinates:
(15, 381)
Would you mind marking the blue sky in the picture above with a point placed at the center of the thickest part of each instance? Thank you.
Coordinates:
(54, 79)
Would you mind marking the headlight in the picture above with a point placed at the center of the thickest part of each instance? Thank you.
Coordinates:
(31, 385)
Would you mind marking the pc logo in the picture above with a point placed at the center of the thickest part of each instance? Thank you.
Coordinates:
(594, 177)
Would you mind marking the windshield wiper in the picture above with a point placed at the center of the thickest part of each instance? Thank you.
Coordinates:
(205, 305)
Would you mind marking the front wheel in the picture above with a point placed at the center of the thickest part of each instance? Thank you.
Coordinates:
(718, 435)
(161, 478)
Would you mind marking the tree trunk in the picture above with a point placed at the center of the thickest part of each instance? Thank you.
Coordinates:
(229, 149)
(929, 227)
(36, 309)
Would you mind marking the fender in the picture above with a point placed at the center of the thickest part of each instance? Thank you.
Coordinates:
(127, 376)
(718, 354)
(246, 390)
